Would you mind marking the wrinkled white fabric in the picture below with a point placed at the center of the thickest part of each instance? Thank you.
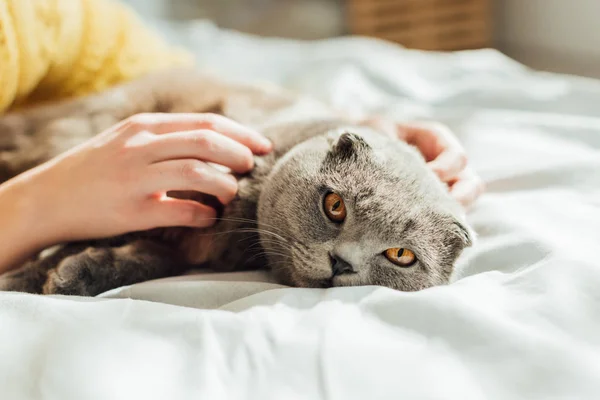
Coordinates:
(521, 320)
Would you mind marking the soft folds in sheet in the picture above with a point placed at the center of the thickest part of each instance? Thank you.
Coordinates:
(522, 320)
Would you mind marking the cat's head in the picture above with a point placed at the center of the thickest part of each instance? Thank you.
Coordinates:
(353, 207)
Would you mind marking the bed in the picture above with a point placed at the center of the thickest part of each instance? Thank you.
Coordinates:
(521, 319)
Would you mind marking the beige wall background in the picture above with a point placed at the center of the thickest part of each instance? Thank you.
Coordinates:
(555, 35)
(300, 19)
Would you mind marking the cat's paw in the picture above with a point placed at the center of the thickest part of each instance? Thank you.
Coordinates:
(81, 274)
(28, 279)
(12, 284)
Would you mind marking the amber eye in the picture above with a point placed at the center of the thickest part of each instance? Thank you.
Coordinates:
(401, 257)
(334, 207)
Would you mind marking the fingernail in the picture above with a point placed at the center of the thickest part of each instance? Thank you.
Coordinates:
(228, 197)
(462, 193)
(438, 170)
(265, 143)
(233, 180)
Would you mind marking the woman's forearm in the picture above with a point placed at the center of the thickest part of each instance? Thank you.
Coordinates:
(117, 182)
(23, 230)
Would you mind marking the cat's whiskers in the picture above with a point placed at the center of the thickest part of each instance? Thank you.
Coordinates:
(218, 233)
(268, 253)
(281, 235)
(263, 231)
(250, 221)
(302, 251)
(263, 239)
(244, 230)
(261, 242)
(279, 265)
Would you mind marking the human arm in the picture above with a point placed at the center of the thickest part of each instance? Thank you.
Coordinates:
(117, 181)
(443, 152)
(446, 157)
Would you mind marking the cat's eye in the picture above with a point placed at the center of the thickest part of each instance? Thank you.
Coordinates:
(401, 257)
(334, 207)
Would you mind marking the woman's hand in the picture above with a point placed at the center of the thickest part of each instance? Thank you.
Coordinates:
(446, 157)
(117, 181)
(444, 154)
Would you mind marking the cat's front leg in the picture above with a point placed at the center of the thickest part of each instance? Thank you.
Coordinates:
(30, 278)
(32, 275)
(96, 270)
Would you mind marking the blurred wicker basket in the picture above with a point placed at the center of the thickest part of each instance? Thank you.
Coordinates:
(423, 24)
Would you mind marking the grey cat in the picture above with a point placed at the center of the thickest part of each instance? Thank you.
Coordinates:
(335, 204)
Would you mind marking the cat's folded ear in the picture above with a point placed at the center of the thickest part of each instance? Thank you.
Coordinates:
(346, 145)
(463, 233)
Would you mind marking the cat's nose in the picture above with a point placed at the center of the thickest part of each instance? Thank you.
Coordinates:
(340, 266)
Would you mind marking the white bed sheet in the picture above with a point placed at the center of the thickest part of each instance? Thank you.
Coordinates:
(521, 320)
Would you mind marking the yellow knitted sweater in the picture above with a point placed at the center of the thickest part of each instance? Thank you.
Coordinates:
(51, 49)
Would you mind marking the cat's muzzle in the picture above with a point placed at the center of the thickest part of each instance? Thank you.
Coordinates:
(339, 266)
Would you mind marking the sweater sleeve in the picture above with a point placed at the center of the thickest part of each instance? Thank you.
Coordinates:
(52, 49)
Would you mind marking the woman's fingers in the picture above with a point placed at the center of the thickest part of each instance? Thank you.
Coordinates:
(446, 156)
(167, 211)
(190, 175)
(203, 145)
(449, 164)
(467, 188)
(424, 137)
(159, 123)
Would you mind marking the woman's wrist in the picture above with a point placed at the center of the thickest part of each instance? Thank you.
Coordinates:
(26, 226)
